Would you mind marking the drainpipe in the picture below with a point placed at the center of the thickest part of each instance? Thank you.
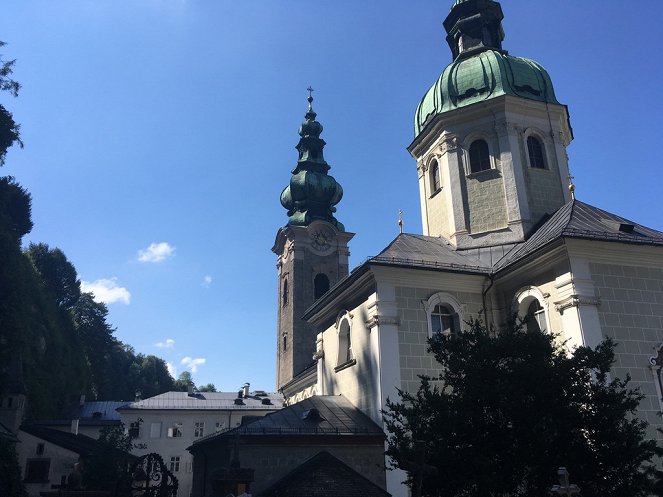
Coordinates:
(483, 298)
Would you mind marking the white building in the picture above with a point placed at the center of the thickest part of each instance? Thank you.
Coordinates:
(502, 231)
(169, 423)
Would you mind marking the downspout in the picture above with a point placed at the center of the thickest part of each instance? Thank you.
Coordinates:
(491, 277)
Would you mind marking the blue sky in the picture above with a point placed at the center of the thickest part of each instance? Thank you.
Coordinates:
(159, 135)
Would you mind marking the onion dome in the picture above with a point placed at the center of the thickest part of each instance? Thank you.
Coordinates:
(481, 69)
(312, 193)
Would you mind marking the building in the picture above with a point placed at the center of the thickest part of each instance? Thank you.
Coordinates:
(277, 450)
(502, 232)
(169, 423)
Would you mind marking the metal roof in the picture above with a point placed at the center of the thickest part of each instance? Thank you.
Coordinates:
(428, 252)
(81, 444)
(207, 400)
(317, 415)
(577, 219)
(97, 410)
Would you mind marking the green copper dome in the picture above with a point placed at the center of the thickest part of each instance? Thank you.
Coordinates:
(312, 193)
(485, 75)
(481, 69)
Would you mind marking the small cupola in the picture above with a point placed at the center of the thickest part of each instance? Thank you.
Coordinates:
(474, 25)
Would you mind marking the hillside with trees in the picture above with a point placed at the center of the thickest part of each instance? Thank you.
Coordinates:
(55, 341)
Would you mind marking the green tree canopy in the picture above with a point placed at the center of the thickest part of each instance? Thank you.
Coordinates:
(511, 408)
(9, 130)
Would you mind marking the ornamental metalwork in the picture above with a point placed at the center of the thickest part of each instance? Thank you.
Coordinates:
(151, 478)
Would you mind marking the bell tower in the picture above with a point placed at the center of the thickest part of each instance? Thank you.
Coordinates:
(312, 249)
(490, 138)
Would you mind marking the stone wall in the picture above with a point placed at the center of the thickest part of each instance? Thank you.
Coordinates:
(272, 462)
(631, 312)
(413, 331)
(438, 215)
(544, 191)
(485, 202)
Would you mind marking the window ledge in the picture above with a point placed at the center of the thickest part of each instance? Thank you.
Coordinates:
(481, 173)
(435, 192)
(345, 365)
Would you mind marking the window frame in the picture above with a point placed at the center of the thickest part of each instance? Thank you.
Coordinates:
(198, 429)
(489, 158)
(345, 355)
(449, 301)
(434, 178)
(174, 465)
(543, 149)
(523, 300)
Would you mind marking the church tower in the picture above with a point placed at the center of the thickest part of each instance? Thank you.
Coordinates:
(490, 138)
(312, 249)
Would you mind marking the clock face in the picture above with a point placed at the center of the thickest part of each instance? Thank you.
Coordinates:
(321, 239)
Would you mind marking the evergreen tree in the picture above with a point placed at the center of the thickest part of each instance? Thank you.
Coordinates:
(511, 408)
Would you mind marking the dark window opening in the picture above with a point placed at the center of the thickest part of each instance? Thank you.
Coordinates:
(536, 317)
(479, 156)
(320, 285)
(40, 449)
(285, 292)
(36, 470)
(285, 342)
(434, 177)
(535, 150)
(10, 400)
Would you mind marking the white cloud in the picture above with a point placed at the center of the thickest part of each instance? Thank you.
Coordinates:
(172, 370)
(156, 252)
(192, 364)
(106, 290)
(168, 344)
(207, 281)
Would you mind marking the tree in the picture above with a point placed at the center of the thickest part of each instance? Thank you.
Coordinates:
(108, 466)
(11, 482)
(207, 388)
(183, 381)
(9, 130)
(511, 408)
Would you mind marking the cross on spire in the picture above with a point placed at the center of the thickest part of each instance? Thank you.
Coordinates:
(572, 187)
(564, 487)
(310, 91)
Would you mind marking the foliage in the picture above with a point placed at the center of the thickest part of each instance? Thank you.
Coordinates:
(207, 388)
(11, 483)
(183, 381)
(511, 408)
(107, 468)
(9, 130)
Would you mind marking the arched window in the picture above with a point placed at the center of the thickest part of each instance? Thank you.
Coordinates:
(442, 320)
(479, 156)
(434, 177)
(530, 303)
(345, 356)
(444, 314)
(285, 342)
(285, 292)
(535, 151)
(320, 285)
(535, 320)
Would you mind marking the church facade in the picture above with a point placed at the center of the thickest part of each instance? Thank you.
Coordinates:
(502, 233)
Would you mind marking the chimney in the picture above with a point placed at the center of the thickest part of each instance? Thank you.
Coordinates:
(74, 426)
(245, 388)
(189, 388)
(81, 402)
(139, 394)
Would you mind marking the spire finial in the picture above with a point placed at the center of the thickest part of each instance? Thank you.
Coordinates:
(400, 220)
(572, 187)
(310, 97)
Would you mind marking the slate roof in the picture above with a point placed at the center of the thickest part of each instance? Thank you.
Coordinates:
(324, 476)
(206, 400)
(428, 252)
(577, 219)
(7, 434)
(317, 415)
(574, 219)
(80, 444)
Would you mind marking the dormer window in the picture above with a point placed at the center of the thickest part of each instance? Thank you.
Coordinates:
(479, 156)
(535, 152)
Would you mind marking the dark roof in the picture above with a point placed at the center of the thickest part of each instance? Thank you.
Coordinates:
(7, 434)
(317, 415)
(207, 400)
(577, 219)
(81, 444)
(324, 476)
(428, 252)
